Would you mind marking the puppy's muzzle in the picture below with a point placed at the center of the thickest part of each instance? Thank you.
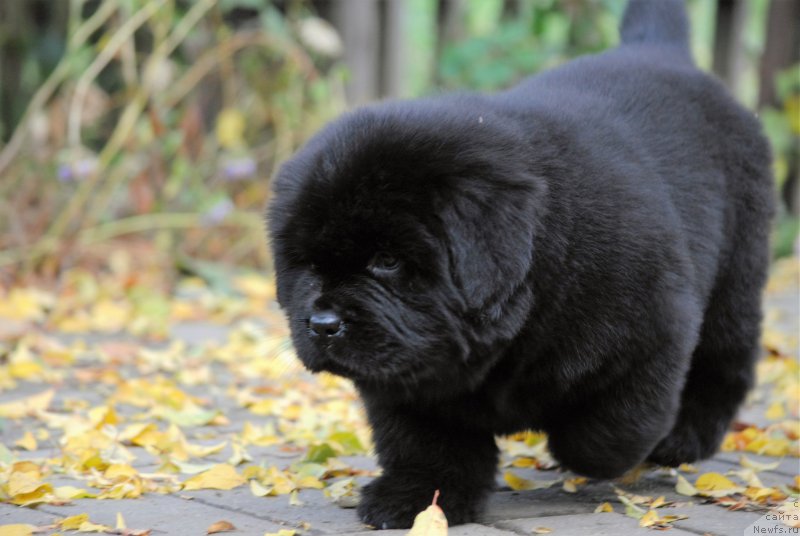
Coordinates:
(325, 324)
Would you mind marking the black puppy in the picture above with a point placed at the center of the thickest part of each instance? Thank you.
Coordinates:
(581, 254)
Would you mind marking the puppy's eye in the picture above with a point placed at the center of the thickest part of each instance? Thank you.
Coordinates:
(383, 263)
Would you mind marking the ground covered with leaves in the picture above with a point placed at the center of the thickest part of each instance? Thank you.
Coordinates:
(111, 389)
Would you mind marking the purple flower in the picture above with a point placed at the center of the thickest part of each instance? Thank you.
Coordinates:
(64, 173)
(235, 169)
(217, 212)
(77, 169)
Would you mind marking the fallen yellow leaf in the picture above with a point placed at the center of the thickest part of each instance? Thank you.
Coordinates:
(17, 529)
(744, 461)
(515, 482)
(71, 492)
(25, 370)
(716, 485)
(649, 519)
(687, 468)
(430, 522)
(604, 507)
(273, 481)
(120, 470)
(220, 526)
(631, 509)
(27, 441)
(571, 484)
(72, 522)
(762, 494)
(221, 476)
(101, 415)
(684, 487)
(200, 451)
(652, 519)
(775, 411)
(659, 502)
(88, 526)
(20, 483)
(258, 489)
(27, 406)
(23, 304)
(240, 454)
(518, 483)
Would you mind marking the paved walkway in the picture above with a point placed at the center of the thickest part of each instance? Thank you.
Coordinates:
(310, 512)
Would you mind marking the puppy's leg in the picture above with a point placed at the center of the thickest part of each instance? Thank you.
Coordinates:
(612, 431)
(420, 454)
(721, 373)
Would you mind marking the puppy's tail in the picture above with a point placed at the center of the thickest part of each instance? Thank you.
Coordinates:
(656, 22)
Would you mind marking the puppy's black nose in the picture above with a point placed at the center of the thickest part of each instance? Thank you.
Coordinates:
(326, 323)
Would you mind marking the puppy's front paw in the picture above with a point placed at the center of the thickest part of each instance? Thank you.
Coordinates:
(390, 503)
(687, 443)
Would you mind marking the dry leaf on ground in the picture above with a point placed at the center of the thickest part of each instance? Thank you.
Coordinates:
(431, 521)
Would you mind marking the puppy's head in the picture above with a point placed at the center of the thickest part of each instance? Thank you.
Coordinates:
(402, 237)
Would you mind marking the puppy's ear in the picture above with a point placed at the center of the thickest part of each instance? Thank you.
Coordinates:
(491, 227)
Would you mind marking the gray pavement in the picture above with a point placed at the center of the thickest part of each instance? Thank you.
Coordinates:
(508, 513)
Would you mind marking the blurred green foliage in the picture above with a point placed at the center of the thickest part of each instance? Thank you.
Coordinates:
(164, 119)
(501, 49)
(782, 126)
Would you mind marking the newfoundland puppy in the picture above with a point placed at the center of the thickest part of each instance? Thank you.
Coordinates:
(581, 254)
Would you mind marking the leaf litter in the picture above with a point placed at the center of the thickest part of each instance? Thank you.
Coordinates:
(105, 397)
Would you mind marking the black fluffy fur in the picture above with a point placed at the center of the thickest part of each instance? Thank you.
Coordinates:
(582, 254)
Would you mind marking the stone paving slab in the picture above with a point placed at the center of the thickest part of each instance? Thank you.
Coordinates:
(10, 514)
(323, 516)
(536, 503)
(163, 514)
(606, 524)
(471, 529)
(710, 519)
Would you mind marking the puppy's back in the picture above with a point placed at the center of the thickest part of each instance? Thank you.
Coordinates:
(642, 118)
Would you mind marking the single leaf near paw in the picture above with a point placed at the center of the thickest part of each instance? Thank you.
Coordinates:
(684, 487)
(708, 485)
(430, 522)
(716, 485)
